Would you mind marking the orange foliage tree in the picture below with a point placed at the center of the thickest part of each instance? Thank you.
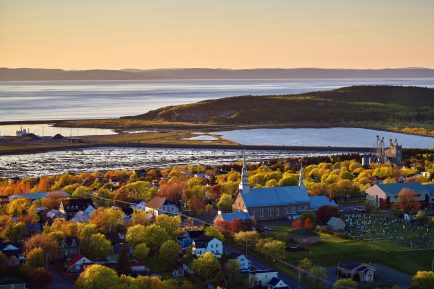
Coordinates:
(407, 200)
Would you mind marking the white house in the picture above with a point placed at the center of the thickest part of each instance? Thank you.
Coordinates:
(77, 263)
(336, 224)
(266, 278)
(159, 205)
(205, 244)
(245, 263)
(54, 214)
(139, 206)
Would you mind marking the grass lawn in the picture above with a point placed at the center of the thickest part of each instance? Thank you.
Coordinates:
(332, 250)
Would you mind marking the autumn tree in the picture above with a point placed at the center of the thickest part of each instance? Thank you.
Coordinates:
(270, 247)
(249, 237)
(407, 200)
(225, 203)
(99, 246)
(324, 213)
(213, 232)
(345, 283)
(136, 235)
(141, 252)
(423, 280)
(97, 277)
(168, 223)
(107, 220)
(41, 277)
(43, 241)
(36, 258)
(52, 201)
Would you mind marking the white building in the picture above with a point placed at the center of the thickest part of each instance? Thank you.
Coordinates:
(245, 264)
(205, 244)
(266, 278)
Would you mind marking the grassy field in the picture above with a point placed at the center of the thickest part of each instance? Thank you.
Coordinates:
(332, 250)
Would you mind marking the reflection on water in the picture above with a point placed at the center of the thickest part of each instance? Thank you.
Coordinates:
(51, 163)
(335, 137)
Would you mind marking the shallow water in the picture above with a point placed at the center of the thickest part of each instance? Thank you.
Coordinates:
(49, 130)
(51, 163)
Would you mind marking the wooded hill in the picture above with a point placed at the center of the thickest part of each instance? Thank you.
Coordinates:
(362, 104)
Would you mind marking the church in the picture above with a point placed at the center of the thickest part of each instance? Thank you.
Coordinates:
(271, 203)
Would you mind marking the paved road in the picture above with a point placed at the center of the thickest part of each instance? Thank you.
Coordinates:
(259, 264)
(59, 281)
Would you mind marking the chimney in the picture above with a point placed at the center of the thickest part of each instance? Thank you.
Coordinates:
(219, 212)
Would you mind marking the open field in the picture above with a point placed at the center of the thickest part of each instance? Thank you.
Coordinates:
(333, 249)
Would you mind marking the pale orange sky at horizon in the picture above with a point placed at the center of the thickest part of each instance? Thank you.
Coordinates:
(113, 34)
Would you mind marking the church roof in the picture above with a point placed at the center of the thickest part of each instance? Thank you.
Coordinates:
(275, 196)
(235, 215)
(318, 201)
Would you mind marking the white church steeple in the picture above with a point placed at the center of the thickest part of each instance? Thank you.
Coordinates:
(300, 180)
(244, 183)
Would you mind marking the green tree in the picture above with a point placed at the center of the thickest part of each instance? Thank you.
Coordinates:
(97, 277)
(232, 269)
(305, 264)
(169, 252)
(225, 203)
(318, 272)
(213, 232)
(99, 246)
(345, 283)
(141, 252)
(136, 235)
(423, 280)
(123, 266)
(270, 247)
(205, 266)
(168, 223)
(154, 237)
(81, 192)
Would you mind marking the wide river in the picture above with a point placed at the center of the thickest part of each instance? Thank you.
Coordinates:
(48, 100)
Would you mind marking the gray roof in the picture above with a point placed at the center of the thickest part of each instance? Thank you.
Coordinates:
(275, 196)
(396, 188)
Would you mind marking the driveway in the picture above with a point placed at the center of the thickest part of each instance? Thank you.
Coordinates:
(259, 264)
(59, 281)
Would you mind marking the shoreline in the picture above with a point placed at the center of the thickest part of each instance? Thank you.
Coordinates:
(189, 146)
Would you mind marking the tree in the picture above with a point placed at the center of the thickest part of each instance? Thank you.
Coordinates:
(345, 283)
(318, 272)
(407, 200)
(297, 224)
(168, 223)
(136, 235)
(43, 241)
(81, 192)
(155, 236)
(140, 218)
(249, 237)
(107, 220)
(232, 269)
(96, 277)
(324, 213)
(213, 232)
(177, 284)
(36, 258)
(141, 252)
(99, 246)
(421, 216)
(169, 251)
(270, 247)
(123, 266)
(305, 264)
(22, 208)
(423, 280)
(52, 201)
(225, 203)
(308, 215)
(205, 266)
(41, 277)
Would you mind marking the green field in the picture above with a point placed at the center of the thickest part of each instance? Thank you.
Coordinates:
(332, 250)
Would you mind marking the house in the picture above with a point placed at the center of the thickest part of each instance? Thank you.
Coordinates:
(138, 268)
(77, 263)
(70, 207)
(205, 244)
(245, 264)
(139, 206)
(360, 272)
(187, 239)
(270, 203)
(159, 205)
(58, 136)
(69, 247)
(54, 214)
(33, 228)
(304, 236)
(12, 283)
(266, 279)
(83, 216)
(317, 202)
(384, 195)
(13, 253)
(336, 224)
(178, 271)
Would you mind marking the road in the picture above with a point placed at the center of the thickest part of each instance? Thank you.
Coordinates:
(59, 281)
(259, 264)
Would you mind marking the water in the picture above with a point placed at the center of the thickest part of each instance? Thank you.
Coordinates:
(58, 162)
(49, 130)
(335, 137)
(48, 100)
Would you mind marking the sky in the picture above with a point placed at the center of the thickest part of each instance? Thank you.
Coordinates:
(145, 34)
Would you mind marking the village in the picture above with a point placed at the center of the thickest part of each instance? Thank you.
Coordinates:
(294, 224)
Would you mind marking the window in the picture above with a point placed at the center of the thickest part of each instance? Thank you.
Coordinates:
(270, 212)
(277, 211)
(262, 213)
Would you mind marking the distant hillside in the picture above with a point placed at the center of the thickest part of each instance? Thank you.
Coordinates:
(371, 104)
(29, 74)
